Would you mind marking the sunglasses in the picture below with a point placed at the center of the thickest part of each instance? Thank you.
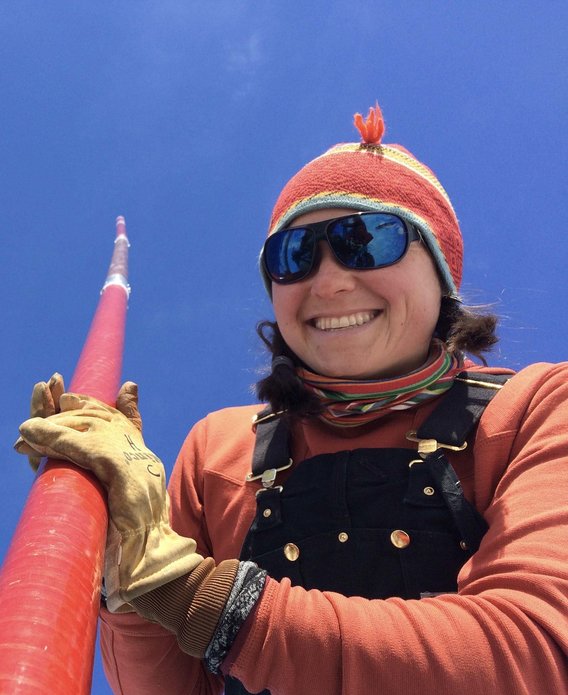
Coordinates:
(361, 241)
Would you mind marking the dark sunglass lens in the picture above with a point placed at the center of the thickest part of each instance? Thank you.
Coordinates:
(288, 255)
(369, 241)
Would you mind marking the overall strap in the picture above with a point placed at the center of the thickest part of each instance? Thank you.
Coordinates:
(461, 407)
(272, 445)
(448, 427)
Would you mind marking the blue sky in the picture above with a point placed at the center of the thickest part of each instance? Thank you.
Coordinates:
(188, 117)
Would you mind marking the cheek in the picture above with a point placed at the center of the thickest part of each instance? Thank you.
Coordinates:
(427, 306)
(285, 304)
(414, 297)
(425, 287)
(279, 302)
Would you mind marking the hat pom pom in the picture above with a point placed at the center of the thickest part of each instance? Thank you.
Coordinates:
(373, 128)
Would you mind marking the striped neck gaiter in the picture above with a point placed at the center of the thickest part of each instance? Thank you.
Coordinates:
(350, 403)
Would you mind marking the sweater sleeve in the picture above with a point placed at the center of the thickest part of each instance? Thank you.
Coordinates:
(142, 658)
(505, 631)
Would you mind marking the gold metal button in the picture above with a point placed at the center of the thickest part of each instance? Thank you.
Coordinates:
(291, 552)
(463, 545)
(266, 513)
(400, 539)
(343, 537)
(429, 491)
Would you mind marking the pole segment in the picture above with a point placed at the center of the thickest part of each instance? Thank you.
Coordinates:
(51, 578)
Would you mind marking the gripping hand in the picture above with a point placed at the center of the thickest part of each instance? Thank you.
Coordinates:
(143, 552)
(45, 402)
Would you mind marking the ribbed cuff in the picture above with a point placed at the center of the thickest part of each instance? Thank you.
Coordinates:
(206, 608)
(191, 606)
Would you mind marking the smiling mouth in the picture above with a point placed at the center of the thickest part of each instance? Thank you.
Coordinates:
(334, 323)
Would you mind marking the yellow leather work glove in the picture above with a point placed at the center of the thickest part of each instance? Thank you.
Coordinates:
(143, 552)
(45, 402)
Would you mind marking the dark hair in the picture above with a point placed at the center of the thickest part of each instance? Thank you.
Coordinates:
(466, 329)
(282, 388)
(463, 329)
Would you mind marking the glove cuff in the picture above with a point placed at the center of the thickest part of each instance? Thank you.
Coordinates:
(191, 606)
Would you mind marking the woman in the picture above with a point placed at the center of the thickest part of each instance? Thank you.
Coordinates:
(398, 513)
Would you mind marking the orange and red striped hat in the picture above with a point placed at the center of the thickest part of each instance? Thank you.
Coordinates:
(371, 176)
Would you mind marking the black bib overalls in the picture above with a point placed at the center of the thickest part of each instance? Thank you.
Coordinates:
(374, 523)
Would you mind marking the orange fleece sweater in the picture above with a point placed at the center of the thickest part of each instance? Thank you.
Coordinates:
(505, 631)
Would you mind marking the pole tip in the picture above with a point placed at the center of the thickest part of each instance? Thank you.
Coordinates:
(120, 226)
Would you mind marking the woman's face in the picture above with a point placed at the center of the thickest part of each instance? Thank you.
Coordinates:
(360, 324)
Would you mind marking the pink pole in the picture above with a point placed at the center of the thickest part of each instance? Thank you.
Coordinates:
(51, 578)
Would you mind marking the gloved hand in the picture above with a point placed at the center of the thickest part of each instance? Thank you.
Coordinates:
(143, 552)
(45, 402)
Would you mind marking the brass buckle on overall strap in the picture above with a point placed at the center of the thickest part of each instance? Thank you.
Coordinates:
(429, 446)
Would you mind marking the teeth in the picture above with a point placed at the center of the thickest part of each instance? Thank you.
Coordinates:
(358, 319)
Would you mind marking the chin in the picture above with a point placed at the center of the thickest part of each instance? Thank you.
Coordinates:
(346, 373)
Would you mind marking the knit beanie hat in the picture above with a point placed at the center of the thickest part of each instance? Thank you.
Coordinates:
(372, 177)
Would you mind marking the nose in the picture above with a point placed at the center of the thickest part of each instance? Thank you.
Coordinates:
(330, 277)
